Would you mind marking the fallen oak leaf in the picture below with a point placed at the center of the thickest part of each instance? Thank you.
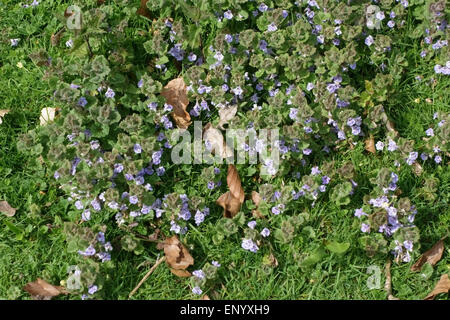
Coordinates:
(175, 93)
(431, 256)
(232, 200)
(2, 114)
(177, 256)
(443, 286)
(41, 290)
(370, 144)
(7, 209)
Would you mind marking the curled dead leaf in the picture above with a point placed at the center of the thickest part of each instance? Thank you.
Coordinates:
(230, 204)
(175, 93)
(234, 183)
(217, 141)
(177, 256)
(7, 209)
(443, 286)
(370, 144)
(431, 256)
(226, 114)
(2, 114)
(41, 290)
(232, 200)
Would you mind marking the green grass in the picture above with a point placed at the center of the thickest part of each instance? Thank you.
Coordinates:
(24, 182)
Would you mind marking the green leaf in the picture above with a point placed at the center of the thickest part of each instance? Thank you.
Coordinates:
(338, 247)
(18, 231)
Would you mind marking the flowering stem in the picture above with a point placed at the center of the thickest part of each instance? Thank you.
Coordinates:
(147, 275)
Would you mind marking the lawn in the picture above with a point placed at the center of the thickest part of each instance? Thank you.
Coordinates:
(298, 264)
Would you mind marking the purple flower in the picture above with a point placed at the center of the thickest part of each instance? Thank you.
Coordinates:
(101, 237)
(369, 41)
(392, 146)
(325, 179)
(79, 205)
(379, 145)
(237, 91)
(199, 217)
(96, 205)
(86, 215)
(92, 289)
(359, 213)
(252, 224)
(307, 151)
(430, 132)
(197, 290)
(137, 148)
(276, 210)
(82, 102)
(199, 274)
(56, 175)
(133, 199)
(210, 185)
(160, 171)
(438, 159)
(228, 15)
(249, 245)
(14, 42)
(272, 27)
(110, 93)
(90, 251)
(263, 7)
(365, 227)
(265, 232)
(315, 170)
(215, 264)
(391, 24)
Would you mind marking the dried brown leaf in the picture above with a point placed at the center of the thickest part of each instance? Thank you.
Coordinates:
(431, 256)
(177, 255)
(226, 114)
(41, 290)
(370, 144)
(256, 198)
(205, 297)
(2, 114)
(217, 141)
(230, 204)
(143, 11)
(234, 183)
(7, 209)
(175, 93)
(181, 273)
(232, 200)
(417, 169)
(443, 286)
